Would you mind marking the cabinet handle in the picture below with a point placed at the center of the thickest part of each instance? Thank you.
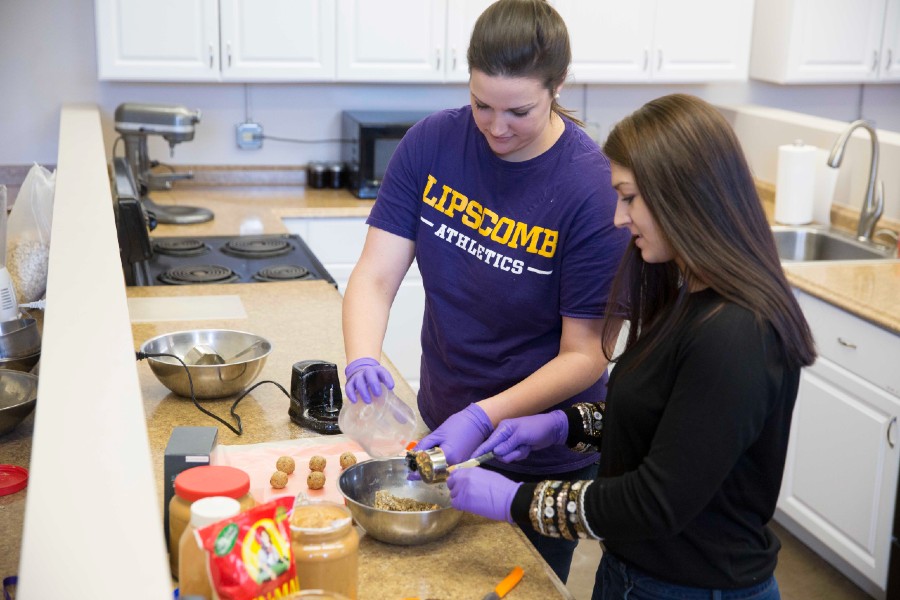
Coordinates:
(453, 54)
(888, 59)
(846, 344)
(437, 59)
(646, 59)
(874, 60)
(210, 56)
(658, 60)
(891, 441)
(228, 52)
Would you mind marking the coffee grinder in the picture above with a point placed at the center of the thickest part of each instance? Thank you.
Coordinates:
(315, 396)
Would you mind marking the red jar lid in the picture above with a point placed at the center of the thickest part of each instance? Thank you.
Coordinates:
(211, 480)
(12, 479)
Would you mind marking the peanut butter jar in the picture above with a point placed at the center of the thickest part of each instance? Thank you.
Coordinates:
(325, 546)
(203, 482)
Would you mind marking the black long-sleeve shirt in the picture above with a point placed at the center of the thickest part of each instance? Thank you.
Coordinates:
(692, 453)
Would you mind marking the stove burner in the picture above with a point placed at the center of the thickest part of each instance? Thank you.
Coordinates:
(198, 274)
(283, 273)
(180, 247)
(257, 247)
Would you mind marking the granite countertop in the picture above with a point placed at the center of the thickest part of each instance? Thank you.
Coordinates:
(867, 289)
(302, 320)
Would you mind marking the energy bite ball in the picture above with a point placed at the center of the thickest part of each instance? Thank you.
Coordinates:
(315, 480)
(278, 480)
(317, 463)
(285, 464)
(348, 459)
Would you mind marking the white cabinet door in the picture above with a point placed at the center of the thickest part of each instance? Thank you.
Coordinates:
(611, 40)
(817, 41)
(278, 40)
(890, 45)
(461, 17)
(702, 40)
(840, 478)
(658, 41)
(157, 40)
(391, 40)
(840, 481)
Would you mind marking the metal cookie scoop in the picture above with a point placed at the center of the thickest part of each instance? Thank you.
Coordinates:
(432, 464)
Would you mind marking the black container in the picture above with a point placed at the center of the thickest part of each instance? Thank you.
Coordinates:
(316, 175)
(335, 177)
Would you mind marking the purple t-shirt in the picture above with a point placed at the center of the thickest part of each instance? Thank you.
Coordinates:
(505, 250)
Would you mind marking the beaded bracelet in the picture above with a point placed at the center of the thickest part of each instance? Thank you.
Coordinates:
(561, 513)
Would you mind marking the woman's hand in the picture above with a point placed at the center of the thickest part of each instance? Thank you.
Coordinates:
(364, 379)
(460, 434)
(482, 492)
(514, 439)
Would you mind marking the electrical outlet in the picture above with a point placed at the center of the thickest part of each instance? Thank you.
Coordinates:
(249, 136)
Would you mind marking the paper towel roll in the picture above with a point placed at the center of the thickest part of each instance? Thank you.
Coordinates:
(795, 184)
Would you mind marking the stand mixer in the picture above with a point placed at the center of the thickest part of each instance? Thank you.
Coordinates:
(135, 122)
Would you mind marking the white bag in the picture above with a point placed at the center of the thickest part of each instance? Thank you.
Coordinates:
(28, 234)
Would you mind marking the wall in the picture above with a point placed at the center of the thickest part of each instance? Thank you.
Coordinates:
(47, 58)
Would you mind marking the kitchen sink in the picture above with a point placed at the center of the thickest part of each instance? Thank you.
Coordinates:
(805, 244)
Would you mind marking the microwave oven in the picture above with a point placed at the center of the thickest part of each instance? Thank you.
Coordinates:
(369, 139)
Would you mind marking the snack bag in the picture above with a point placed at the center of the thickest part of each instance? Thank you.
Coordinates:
(250, 554)
(28, 235)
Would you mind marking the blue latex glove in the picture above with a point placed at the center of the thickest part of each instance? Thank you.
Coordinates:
(460, 434)
(482, 492)
(514, 439)
(364, 379)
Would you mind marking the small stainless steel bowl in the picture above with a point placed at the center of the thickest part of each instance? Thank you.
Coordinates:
(19, 337)
(210, 380)
(359, 483)
(18, 396)
(21, 363)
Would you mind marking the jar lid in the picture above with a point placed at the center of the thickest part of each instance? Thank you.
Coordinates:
(12, 479)
(211, 480)
(207, 511)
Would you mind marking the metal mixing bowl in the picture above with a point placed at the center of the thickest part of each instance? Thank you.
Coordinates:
(19, 338)
(18, 395)
(359, 483)
(210, 381)
(21, 363)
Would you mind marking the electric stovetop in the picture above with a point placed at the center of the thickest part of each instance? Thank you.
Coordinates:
(232, 259)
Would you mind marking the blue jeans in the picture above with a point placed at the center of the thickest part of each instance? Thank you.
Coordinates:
(618, 581)
(556, 551)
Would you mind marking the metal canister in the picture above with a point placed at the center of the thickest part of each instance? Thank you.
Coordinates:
(316, 175)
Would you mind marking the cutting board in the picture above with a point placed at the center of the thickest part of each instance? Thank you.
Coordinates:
(258, 461)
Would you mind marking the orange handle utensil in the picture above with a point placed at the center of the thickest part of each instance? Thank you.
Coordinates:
(508, 583)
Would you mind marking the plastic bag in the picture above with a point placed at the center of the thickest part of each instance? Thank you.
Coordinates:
(28, 234)
(382, 428)
(250, 554)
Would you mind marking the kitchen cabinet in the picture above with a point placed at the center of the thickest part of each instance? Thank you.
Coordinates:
(826, 41)
(215, 40)
(338, 243)
(658, 41)
(432, 47)
(840, 481)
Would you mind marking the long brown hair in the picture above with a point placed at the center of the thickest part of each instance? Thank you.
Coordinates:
(523, 38)
(692, 174)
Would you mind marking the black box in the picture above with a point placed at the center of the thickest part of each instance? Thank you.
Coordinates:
(188, 447)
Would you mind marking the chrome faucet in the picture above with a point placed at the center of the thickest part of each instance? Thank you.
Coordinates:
(873, 204)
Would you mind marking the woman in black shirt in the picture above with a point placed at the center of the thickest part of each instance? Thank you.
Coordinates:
(694, 430)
